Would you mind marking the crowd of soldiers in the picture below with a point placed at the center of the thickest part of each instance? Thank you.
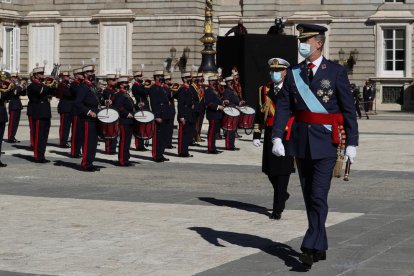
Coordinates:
(82, 97)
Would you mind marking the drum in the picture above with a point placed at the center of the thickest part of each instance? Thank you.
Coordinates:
(230, 118)
(108, 123)
(247, 116)
(144, 124)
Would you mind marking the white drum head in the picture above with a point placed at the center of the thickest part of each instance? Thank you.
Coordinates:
(247, 110)
(144, 116)
(231, 111)
(108, 115)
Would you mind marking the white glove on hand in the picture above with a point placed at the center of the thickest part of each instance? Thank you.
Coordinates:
(350, 153)
(257, 143)
(278, 148)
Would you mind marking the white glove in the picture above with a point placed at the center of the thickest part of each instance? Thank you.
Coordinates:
(278, 148)
(257, 143)
(351, 153)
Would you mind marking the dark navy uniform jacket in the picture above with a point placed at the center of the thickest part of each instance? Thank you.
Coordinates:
(140, 94)
(67, 101)
(332, 88)
(124, 104)
(212, 102)
(74, 87)
(4, 97)
(15, 103)
(39, 95)
(160, 103)
(231, 96)
(186, 104)
(108, 94)
(86, 99)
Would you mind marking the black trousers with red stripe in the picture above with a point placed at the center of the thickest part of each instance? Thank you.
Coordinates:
(125, 137)
(90, 142)
(230, 139)
(14, 119)
(110, 145)
(213, 129)
(64, 128)
(31, 130)
(77, 136)
(139, 144)
(170, 133)
(41, 129)
(2, 129)
(185, 136)
(159, 141)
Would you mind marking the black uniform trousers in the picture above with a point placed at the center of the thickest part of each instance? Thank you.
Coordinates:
(230, 139)
(110, 145)
(213, 129)
(41, 130)
(159, 141)
(31, 130)
(280, 194)
(2, 129)
(125, 137)
(315, 178)
(140, 144)
(170, 132)
(77, 136)
(90, 142)
(14, 119)
(64, 128)
(185, 136)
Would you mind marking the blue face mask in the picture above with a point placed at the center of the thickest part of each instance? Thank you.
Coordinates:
(305, 50)
(276, 76)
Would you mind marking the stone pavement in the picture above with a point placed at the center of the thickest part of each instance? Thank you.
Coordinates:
(204, 215)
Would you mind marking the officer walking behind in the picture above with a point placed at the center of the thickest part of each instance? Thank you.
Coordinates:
(124, 104)
(214, 113)
(108, 96)
(185, 117)
(140, 94)
(15, 109)
(65, 109)
(277, 169)
(368, 94)
(317, 91)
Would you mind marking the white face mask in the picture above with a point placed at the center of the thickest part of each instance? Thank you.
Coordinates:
(276, 76)
(305, 50)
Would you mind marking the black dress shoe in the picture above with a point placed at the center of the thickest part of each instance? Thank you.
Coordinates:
(12, 141)
(42, 161)
(276, 215)
(233, 149)
(185, 155)
(2, 165)
(142, 149)
(170, 147)
(92, 169)
(126, 164)
(165, 159)
(77, 156)
(319, 256)
(65, 146)
(306, 258)
(159, 160)
(213, 152)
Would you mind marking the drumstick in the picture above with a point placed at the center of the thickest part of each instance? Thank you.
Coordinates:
(347, 170)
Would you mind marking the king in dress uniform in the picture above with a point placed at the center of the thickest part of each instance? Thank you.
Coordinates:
(317, 92)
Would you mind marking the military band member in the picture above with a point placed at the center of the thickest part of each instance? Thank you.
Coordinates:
(5, 93)
(87, 103)
(140, 94)
(39, 94)
(172, 95)
(200, 109)
(214, 113)
(185, 117)
(277, 169)
(318, 92)
(29, 113)
(77, 126)
(160, 106)
(230, 98)
(65, 109)
(15, 108)
(108, 96)
(124, 104)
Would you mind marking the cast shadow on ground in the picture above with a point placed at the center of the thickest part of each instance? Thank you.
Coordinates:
(22, 147)
(237, 205)
(75, 166)
(279, 250)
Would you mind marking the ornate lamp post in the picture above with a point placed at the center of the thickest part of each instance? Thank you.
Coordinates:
(208, 63)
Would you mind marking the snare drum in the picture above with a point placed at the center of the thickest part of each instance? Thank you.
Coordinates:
(230, 118)
(247, 116)
(144, 124)
(108, 123)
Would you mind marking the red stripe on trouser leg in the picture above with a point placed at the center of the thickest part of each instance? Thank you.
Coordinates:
(62, 121)
(74, 133)
(36, 142)
(85, 146)
(136, 143)
(154, 143)
(122, 146)
(180, 137)
(10, 130)
(228, 139)
(31, 131)
(107, 146)
(210, 135)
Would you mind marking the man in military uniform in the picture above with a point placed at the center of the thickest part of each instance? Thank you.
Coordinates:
(39, 93)
(140, 94)
(15, 109)
(318, 93)
(368, 94)
(87, 103)
(108, 95)
(231, 99)
(65, 109)
(185, 117)
(77, 125)
(172, 95)
(29, 113)
(277, 169)
(200, 106)
(214, 113)
(160, 106)
(5, 93)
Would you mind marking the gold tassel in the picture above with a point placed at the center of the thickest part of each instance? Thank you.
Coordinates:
(338, 168)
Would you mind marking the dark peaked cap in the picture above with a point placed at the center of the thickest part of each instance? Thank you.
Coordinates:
(309, 30)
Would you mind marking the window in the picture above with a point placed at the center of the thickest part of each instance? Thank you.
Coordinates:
(114, 49)
(42, 47)
(6, 1)
(390, 94)
(11, 48)
(394, 49)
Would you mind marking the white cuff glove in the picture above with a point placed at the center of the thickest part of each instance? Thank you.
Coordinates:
(257, 143)
(278, 148)
(350, 153)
